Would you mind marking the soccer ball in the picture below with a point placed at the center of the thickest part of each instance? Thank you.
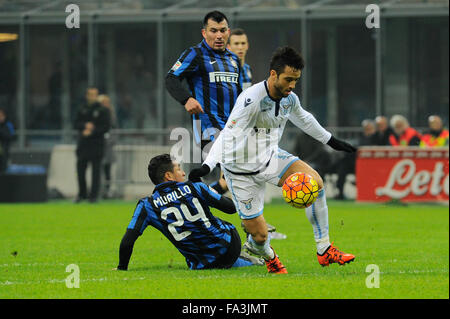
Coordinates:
(300, 190)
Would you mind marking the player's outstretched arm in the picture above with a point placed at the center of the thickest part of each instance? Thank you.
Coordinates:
(224, 204)
(341, 145)
(126, 248)
(215, 200)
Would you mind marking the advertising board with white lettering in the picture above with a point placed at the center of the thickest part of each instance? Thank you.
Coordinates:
(407, 174)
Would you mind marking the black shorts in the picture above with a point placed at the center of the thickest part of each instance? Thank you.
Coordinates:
(229, 258)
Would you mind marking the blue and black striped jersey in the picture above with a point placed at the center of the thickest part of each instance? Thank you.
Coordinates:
(246, 76)
(181, 212)
(215, 81)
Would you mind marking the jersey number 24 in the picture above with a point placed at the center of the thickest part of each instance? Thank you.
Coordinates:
(181, 215)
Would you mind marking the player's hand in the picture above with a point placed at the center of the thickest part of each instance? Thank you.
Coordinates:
(193, 107)
(196, 173)
(341, 145)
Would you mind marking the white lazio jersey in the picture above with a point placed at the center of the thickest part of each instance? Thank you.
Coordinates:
(254, 129)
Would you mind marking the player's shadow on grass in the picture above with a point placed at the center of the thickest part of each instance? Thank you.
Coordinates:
(159, 267)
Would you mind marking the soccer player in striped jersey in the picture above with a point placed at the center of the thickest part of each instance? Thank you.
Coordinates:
(213, 74)
(249, 153)
(180, 210)
(238, 44)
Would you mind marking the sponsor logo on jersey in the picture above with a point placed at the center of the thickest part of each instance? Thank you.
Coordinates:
(247, 102)
(229, 77)
(232, 124)
(176, 66)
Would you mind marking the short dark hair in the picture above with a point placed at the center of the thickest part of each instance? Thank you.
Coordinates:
(286, 56)
(237, 31)
(158, 167)
(215, 16)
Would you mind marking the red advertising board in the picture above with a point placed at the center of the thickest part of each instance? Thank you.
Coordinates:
(408, 174)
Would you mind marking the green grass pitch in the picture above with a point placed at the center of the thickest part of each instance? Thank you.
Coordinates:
(409, 245)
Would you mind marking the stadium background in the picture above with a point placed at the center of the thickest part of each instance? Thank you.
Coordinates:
(125, 48)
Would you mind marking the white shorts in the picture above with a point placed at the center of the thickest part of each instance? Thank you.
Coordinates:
(248, 190)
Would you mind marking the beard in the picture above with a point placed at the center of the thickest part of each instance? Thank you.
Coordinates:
(281, 92)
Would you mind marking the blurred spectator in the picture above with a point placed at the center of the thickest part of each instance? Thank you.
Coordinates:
(369, 136)
(7, 134)
(110, 140)
(383, 131)
(403, 135)
(347, 164)
(92, 122)
(436, 135)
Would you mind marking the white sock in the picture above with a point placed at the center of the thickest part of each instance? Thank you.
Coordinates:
(263, 249)
(317, 215)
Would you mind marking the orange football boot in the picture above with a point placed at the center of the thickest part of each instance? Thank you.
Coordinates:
(274, 266)
(334, 255)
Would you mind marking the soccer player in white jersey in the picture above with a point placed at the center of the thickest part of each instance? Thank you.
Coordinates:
(247, 149)
(238, 44)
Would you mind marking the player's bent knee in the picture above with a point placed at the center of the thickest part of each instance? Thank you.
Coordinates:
(301, 167)
(319, 180)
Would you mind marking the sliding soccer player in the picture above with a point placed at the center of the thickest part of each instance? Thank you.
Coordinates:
(180, 210)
